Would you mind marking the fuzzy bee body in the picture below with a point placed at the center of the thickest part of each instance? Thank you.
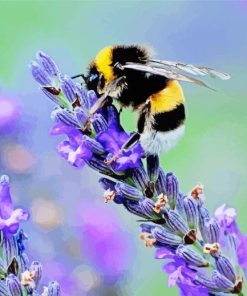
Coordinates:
(150, 87)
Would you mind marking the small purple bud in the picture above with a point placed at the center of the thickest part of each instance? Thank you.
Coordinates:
(92, 97)
(140, 178)
(64, 116)
(225, 267)
(153, 167)
(54, 289)
(205, 281)
(191, 256)
(48, 63)
(128, 191)
(134, 208)
(166, 237)
(94, 146)
(99, 123)
(4, 291)
(191, 211)
(36, 267)
(172, 189)
(213, 231)
(24, 262)
(69, 88)
(160, 184)
(54, 98)
(14, 285)
(146, 227)
(9, 250)
(175, 222)
(39, 74)
(81, 116)
(222, 282)
(209, 228)
(113, 117)
(147, 206)
(83, 96)
(99, 165)
(107, 184)
(204, 217)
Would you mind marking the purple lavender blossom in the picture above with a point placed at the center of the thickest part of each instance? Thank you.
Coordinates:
(205, 255)
(74, 104)
(18, 276)
(9, 218)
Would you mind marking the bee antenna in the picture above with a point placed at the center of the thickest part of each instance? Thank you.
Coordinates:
(79, 75)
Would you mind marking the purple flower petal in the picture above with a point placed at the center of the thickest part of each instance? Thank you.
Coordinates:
(164, 253)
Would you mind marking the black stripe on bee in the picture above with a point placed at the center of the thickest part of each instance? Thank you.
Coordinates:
(167, 121)
(163, 121)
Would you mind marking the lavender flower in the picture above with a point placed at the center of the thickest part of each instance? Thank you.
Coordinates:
(18, 278)
(206, 255)
(9, 218)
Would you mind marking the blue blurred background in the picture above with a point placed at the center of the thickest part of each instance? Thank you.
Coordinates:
(89, 247)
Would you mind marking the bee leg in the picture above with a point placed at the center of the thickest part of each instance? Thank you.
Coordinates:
(132, 141)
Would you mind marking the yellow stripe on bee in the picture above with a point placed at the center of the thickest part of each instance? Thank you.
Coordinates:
(168, 98)
(103, 61)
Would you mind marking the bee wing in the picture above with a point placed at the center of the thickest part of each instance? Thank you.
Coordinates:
(191, 69)
(166, 72)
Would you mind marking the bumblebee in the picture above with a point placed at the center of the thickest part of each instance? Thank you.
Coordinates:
(130, 75)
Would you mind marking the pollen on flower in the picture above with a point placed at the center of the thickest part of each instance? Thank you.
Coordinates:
(27, 278)
(109, 195)
(211, 248)
(149, 241)
(197, 191)
(162, 200)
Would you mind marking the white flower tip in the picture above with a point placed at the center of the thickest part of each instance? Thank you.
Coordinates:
(4, 180)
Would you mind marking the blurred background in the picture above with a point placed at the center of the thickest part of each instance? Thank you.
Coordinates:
(89, 247)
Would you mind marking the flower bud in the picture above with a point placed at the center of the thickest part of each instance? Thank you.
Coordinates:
(80, 116)
(14, 285)
(54, 289)
(166, 237)
(4, 291)
(107, 183)
(94, 146)
(9, 250)
(36, 267)
(222, 282)
(83, 96)
(64, 116)
(128, 191)
(92, 98)
(39, 74)
(134, 207)
(99, 123)
(153, 167)
(54, 98)
(191, 211)
(225, 267)
(172, 189)
(191, 256)
(175, 222)
(99, 165)
(69, 88)
(24, 261)
(160, 184)
(48, 63)
(140, 178)
(147, 206)
(205, 281)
